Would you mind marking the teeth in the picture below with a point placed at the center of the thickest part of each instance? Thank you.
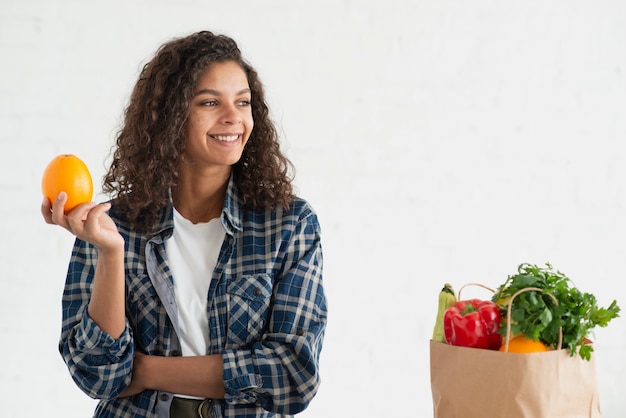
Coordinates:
(226, 138)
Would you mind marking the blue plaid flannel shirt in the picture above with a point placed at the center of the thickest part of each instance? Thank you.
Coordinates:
(266, 311)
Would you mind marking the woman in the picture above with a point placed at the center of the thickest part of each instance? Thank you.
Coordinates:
(197, 290)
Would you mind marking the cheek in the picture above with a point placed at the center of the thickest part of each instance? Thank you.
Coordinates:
(196, 125)
(189, 124)
(249, 122)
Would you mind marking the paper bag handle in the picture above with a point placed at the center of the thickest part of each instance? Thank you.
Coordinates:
(473, 284)
(508, 316)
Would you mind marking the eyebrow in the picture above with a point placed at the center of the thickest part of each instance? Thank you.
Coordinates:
(217, 93)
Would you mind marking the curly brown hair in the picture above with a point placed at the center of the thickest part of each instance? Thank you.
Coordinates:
(151, 140)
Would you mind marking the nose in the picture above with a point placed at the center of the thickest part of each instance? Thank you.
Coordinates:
(231, 115)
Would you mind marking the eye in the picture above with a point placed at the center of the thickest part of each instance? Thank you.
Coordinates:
(209, 103)
(243, 102)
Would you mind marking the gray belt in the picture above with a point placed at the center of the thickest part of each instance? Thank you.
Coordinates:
(191, 408)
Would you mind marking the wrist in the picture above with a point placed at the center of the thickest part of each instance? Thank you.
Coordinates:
(151, 376)
(112, 253)
(144, 371)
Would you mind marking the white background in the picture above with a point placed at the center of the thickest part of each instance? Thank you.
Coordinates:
(440, 141)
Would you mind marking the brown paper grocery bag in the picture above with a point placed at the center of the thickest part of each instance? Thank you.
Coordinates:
(479, 383)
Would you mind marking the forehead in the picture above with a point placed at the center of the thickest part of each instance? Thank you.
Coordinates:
(223, 73)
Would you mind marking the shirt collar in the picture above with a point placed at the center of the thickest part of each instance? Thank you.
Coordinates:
(231, 213)
(233, 208)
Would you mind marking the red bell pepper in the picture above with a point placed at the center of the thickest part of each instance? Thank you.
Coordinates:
(473, 323)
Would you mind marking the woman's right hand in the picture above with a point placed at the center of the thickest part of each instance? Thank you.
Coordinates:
(88, 221)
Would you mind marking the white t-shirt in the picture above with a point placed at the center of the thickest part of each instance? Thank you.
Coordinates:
(192, 252)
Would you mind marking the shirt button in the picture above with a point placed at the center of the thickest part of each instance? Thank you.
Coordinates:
(257, 291)
(176, 353)
(165, 397)
(300, 333)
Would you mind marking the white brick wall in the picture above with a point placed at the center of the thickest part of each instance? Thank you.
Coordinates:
(439, 141)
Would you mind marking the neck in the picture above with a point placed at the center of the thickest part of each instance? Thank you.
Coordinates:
(200, 197)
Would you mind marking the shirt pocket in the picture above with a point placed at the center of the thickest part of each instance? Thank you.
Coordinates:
(142, 307)
(249, 301)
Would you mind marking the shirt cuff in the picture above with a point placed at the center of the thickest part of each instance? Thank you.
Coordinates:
(90, 339)
(240, 379)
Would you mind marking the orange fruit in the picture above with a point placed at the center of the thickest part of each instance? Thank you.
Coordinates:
(521, 344)
(67, 173)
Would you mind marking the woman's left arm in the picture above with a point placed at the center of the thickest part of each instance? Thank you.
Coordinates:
(280, 372)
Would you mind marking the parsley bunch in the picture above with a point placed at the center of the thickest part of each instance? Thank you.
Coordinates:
(536, 316)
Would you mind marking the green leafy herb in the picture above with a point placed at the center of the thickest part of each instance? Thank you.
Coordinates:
(535, 314)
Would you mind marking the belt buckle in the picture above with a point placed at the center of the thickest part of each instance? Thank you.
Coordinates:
(201, 406)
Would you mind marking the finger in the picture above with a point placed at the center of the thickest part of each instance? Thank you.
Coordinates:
(77, 217)
(58, 207)
(58, 210)
(92, 221)
(46, 210)
(99, 209)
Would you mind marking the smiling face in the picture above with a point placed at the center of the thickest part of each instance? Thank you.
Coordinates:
(220, 117)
